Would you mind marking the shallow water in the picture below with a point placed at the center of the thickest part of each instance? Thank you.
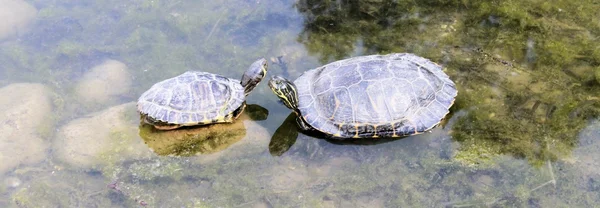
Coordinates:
(522, 132)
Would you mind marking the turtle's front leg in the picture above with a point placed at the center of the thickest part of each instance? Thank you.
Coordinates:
(302, 124)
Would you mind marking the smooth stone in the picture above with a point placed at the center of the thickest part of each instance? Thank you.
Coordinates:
(104, 83)
(17, 17)
(101, 138)
(25, 108)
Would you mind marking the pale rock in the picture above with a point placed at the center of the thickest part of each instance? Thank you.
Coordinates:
(106, 137)
(16, 16)
(25, 108)
(104, 83)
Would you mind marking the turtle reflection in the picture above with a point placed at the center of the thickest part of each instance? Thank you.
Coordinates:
(207, 139)
(287, 135)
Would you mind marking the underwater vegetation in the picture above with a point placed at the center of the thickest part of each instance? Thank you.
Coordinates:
(525, 69)
(528, 75)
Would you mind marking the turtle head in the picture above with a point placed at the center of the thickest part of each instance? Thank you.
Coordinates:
(254, 75)
(285, 90)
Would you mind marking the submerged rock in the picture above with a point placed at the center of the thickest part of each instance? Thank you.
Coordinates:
(61, 189)
(25, 110)
(101, 138)
(586, 158)
(104, 83)
(16, 16)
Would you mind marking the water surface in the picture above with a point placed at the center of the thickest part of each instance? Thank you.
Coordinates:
(522, 133)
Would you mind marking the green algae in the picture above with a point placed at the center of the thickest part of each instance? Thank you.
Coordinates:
(597, 74)
(61, 188)
(39, 195)
(501, 116)
(535, 114)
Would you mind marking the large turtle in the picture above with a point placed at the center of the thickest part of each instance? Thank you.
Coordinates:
(371, 96)
(198, 98)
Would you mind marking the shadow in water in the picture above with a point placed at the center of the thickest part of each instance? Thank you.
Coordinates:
(206, 139)
(287, 134)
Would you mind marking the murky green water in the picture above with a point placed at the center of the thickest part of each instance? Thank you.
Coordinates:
(523, 131)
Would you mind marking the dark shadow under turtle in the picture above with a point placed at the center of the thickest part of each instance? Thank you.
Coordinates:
(204, 139)
(288, 133)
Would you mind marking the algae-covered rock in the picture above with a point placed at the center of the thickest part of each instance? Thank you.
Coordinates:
(104, 83)
(16, 16)
(101, 138)
(62, 189)
(24, 109)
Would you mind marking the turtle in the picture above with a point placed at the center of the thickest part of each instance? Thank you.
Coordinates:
(198, 98)
(371, 96)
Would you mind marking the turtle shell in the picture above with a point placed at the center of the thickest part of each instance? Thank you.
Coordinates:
(193, 98)
(375, 96)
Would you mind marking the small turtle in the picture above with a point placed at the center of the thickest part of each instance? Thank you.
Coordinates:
(392, 95)
(198, 98)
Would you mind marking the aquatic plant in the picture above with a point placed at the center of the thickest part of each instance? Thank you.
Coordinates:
(527, 71)
(524, 68)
